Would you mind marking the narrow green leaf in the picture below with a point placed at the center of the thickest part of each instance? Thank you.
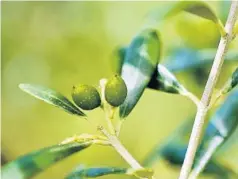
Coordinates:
(140, 62)
(174, 154)
(177, 138)
(118, 59)
(221, 126)
(229, 85)
(225, 119)
(184, 59)
(200, 9)
(52, 97)
(195, 7)
(173, 150)
(234, 78)
(83, 172)
(142, 173)
(33, 163)
(165, 81)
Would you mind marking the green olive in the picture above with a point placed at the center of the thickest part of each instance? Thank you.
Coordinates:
(115, 91)
(86, 97)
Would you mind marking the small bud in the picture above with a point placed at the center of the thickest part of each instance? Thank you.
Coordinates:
(86, 97)
(115, 91)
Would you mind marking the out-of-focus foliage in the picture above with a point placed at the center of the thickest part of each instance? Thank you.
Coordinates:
(60, 44)
(220, 127)
(200, 9)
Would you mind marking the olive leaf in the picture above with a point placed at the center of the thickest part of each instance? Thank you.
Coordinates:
(177, 138)
(141, 173)
(231, 83)
(139, 64)
(173, 150)
(174, 154)
(118, 59)
(52, 97)
(183, 59)
(33, 163)
(200, 9)
(234, 78)
(220, 127)
(83, 172)
(225, 118)
(164, 80)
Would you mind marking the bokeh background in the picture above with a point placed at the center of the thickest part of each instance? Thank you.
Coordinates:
(59, 44)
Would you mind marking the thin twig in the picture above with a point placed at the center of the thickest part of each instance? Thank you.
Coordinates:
(121, 149)
(109, 122)
(117, 145)
(118, 127)
(193, 98)
(106, 107)
(111, 135)
(205, 101)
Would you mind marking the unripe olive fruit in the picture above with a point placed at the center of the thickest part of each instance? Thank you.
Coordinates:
(115, 91)
(86, 97)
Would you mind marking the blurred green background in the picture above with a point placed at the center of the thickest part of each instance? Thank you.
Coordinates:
(59, 44)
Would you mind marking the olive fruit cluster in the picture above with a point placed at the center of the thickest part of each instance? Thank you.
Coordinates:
(87, 97)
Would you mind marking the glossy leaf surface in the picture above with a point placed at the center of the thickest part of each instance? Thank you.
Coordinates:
(141, 59)
(33, 163)
(165, 81)
(83, 172)
(52, 97)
